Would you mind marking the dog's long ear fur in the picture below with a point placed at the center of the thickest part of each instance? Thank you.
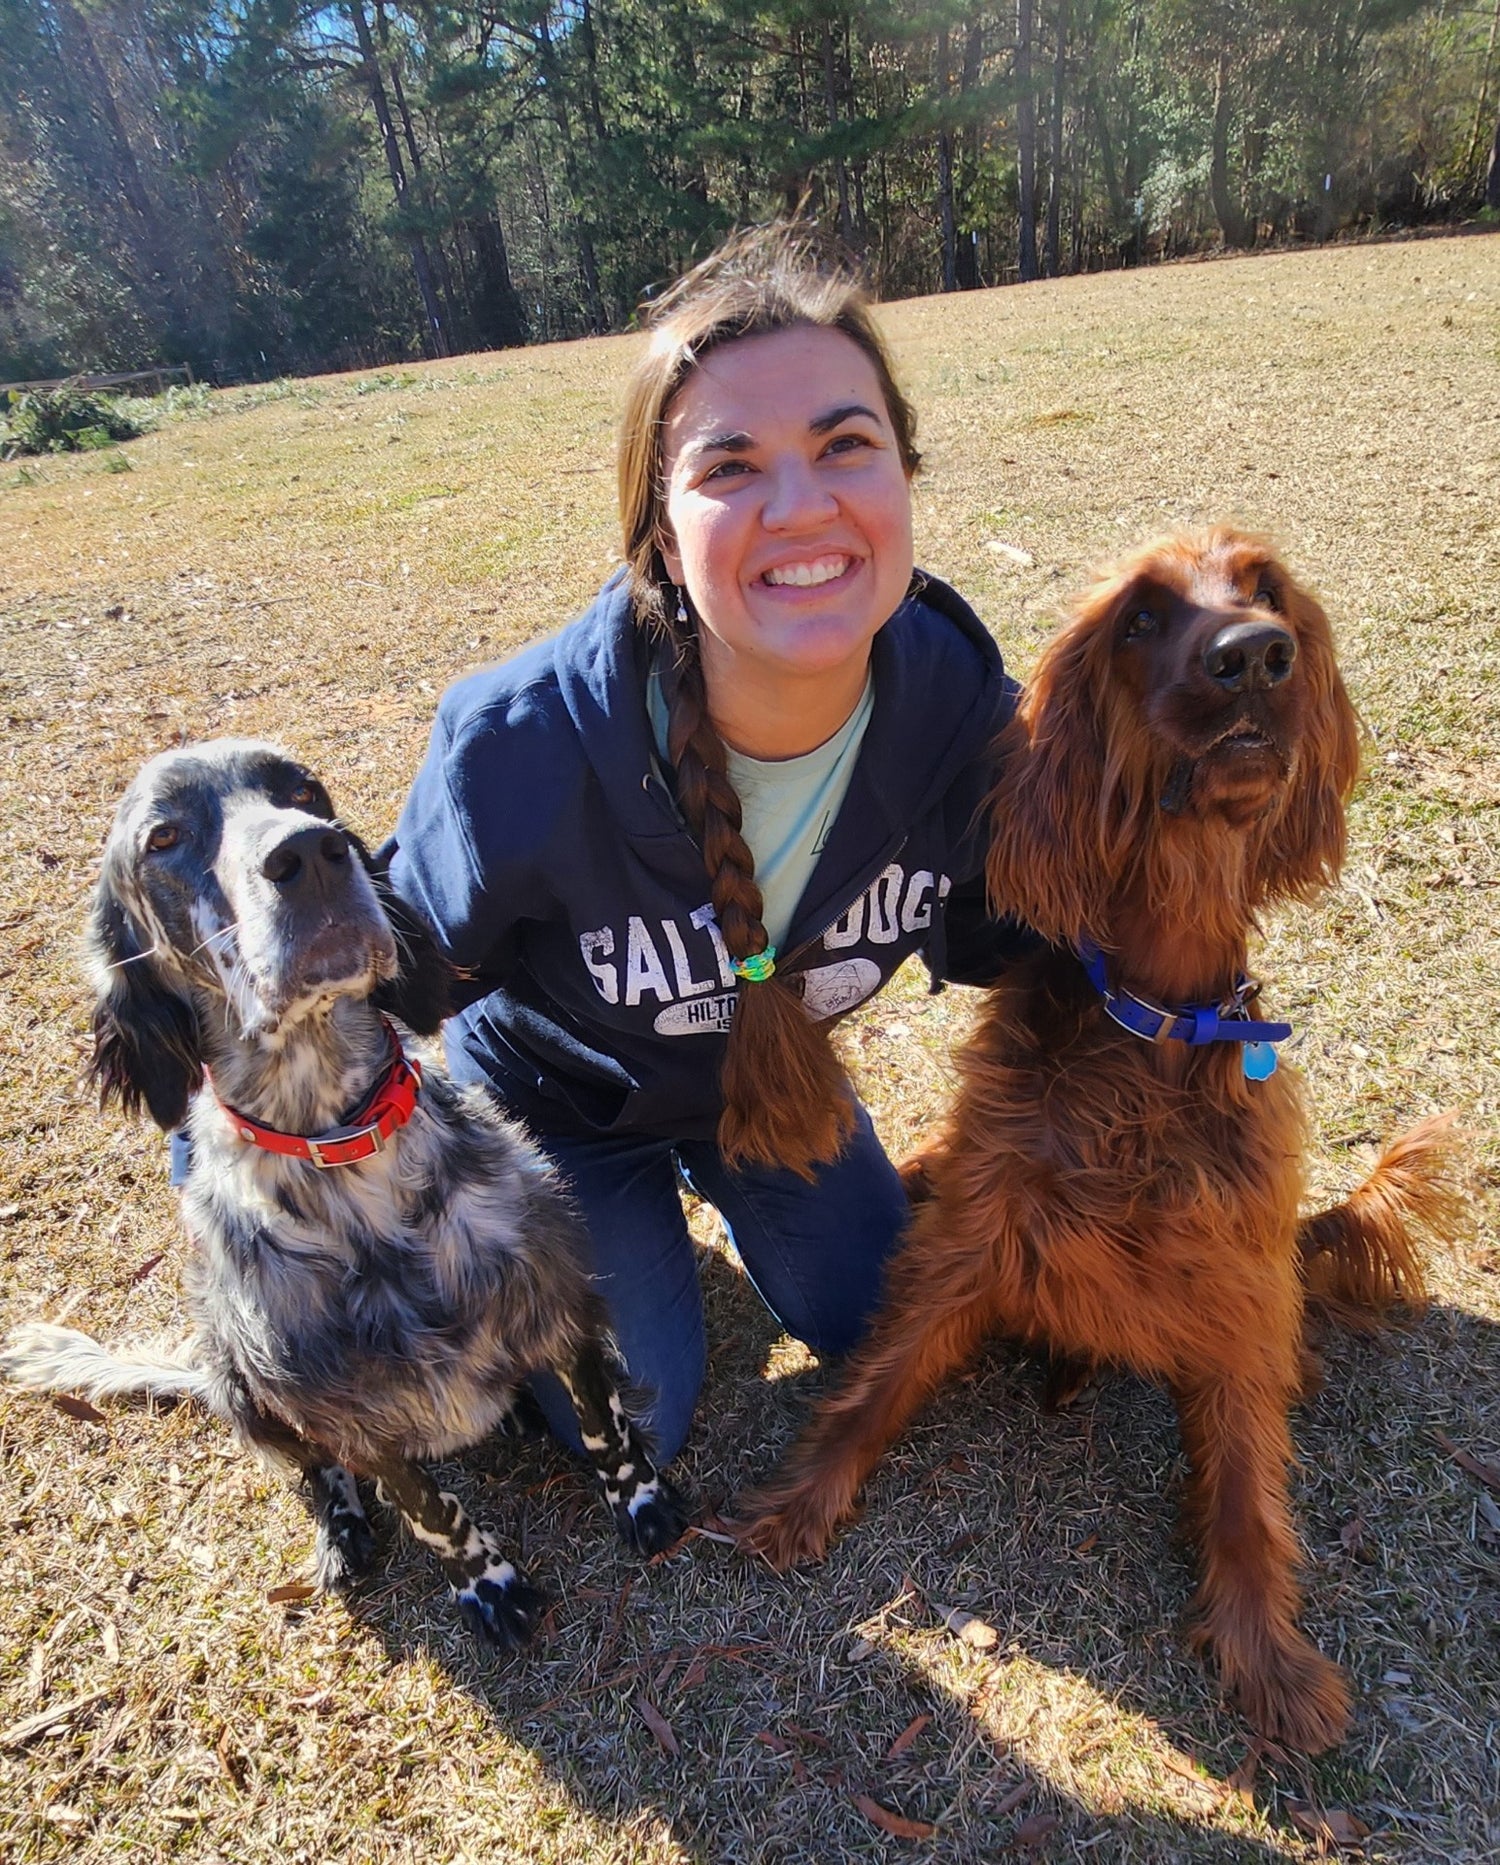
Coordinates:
(421, 993)
(1304, 850)
(146, 1043)
(1061, 808)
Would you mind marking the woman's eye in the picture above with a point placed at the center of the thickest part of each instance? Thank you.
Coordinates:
(164, 836)
(726, 469)
(847, 443)
(1141, 623)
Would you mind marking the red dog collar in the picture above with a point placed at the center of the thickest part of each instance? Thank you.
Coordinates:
(387, 1107)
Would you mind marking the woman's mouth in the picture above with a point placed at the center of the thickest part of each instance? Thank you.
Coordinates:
(807, 575)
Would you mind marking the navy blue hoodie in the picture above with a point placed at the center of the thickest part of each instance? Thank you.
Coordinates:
(542, 842)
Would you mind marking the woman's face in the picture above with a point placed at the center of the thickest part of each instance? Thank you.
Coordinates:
(788, 509)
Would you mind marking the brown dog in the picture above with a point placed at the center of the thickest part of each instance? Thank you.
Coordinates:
(1119, 1182)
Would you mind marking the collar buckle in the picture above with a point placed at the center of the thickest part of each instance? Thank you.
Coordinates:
(346, 1149)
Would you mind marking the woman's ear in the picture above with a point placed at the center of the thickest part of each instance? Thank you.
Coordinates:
(671, 556)
(421, 993)
(146, 1042)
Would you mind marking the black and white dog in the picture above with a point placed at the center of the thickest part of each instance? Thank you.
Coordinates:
(379, 1257)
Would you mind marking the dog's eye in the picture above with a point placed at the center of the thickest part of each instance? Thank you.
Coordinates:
(164, 836)
(304, 796)
(1141, 623)
(1266, 598)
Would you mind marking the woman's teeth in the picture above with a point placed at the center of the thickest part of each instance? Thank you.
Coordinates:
(807, 575)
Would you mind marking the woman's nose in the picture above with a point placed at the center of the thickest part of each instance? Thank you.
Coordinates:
(796, 498)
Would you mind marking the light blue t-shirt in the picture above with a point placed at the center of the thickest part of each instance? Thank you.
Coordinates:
(789, 804)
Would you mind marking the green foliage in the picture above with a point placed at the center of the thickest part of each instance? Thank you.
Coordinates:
(64, 420)
(293, 187)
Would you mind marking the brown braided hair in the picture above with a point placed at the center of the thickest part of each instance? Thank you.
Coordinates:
(787, 1100)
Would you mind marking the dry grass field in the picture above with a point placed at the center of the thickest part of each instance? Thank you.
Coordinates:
(315, 562)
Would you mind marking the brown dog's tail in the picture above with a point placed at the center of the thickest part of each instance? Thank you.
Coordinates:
(1360, 1257)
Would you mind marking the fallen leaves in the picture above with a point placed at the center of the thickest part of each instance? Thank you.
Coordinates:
(78, 1408)
(896, 1824)
(907, 1736)
(967, 1627)
(291, 1594)
(652, 1717)
(1033, 1830)
(1477, 1467)
(29, 1727)
(1332, 1826)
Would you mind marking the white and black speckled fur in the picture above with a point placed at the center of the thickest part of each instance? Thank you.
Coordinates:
(360, 1318)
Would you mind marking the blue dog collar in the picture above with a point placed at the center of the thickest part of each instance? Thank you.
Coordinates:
(1195, 1024)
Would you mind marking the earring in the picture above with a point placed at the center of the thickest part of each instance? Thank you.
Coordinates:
(682, 614)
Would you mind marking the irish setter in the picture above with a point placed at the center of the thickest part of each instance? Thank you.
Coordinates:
(1124, 1195)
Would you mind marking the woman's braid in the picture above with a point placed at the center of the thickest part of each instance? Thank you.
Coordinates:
(787, 1101)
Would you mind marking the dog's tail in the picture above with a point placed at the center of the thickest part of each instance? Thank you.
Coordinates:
(1361, 1257)
(53, 1359)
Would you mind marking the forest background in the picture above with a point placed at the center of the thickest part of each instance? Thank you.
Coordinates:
(267, 187)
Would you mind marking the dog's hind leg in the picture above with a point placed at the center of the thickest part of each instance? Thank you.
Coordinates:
(648, 1511)
(1235, 1433)
(493, 1596)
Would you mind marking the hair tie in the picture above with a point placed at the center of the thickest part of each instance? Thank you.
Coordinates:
(757, 968)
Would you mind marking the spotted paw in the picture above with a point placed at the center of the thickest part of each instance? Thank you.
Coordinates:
(345, 1550)
(652, 1517)
(504, 1613)
(346, 1542)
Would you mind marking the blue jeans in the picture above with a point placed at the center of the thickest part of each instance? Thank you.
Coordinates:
(816, 1254)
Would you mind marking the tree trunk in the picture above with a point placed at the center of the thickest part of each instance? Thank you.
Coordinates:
(945, 171)
(840, 171)
(1055, 178)
(967, 256)
(436, 338)
(1492, 174)
(1232, 223)
(1026, 140)
(583, 233)
(499, 320)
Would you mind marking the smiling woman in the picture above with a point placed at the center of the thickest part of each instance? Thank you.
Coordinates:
(672, 845)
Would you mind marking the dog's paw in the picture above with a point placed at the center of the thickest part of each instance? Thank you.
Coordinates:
(345, 1546)
(1297, 1697)
(502, 1611)
(345, 1551)
(786, 1530)
(525, 1419)
(654, 1516)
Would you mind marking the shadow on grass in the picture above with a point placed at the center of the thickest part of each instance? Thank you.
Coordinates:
(1089, 1731)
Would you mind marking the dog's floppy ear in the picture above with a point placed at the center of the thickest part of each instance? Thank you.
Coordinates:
(1304, 849)
(421, 993)
(1059, 807)
(146, 1044)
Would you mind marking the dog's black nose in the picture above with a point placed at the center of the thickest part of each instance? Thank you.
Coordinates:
(305, 851)
(1246, 655)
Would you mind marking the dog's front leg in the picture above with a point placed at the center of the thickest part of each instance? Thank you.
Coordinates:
(940, 1307)
(345, 1544)
(648, 1511)
(1234, 1430)
(492, 1594)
